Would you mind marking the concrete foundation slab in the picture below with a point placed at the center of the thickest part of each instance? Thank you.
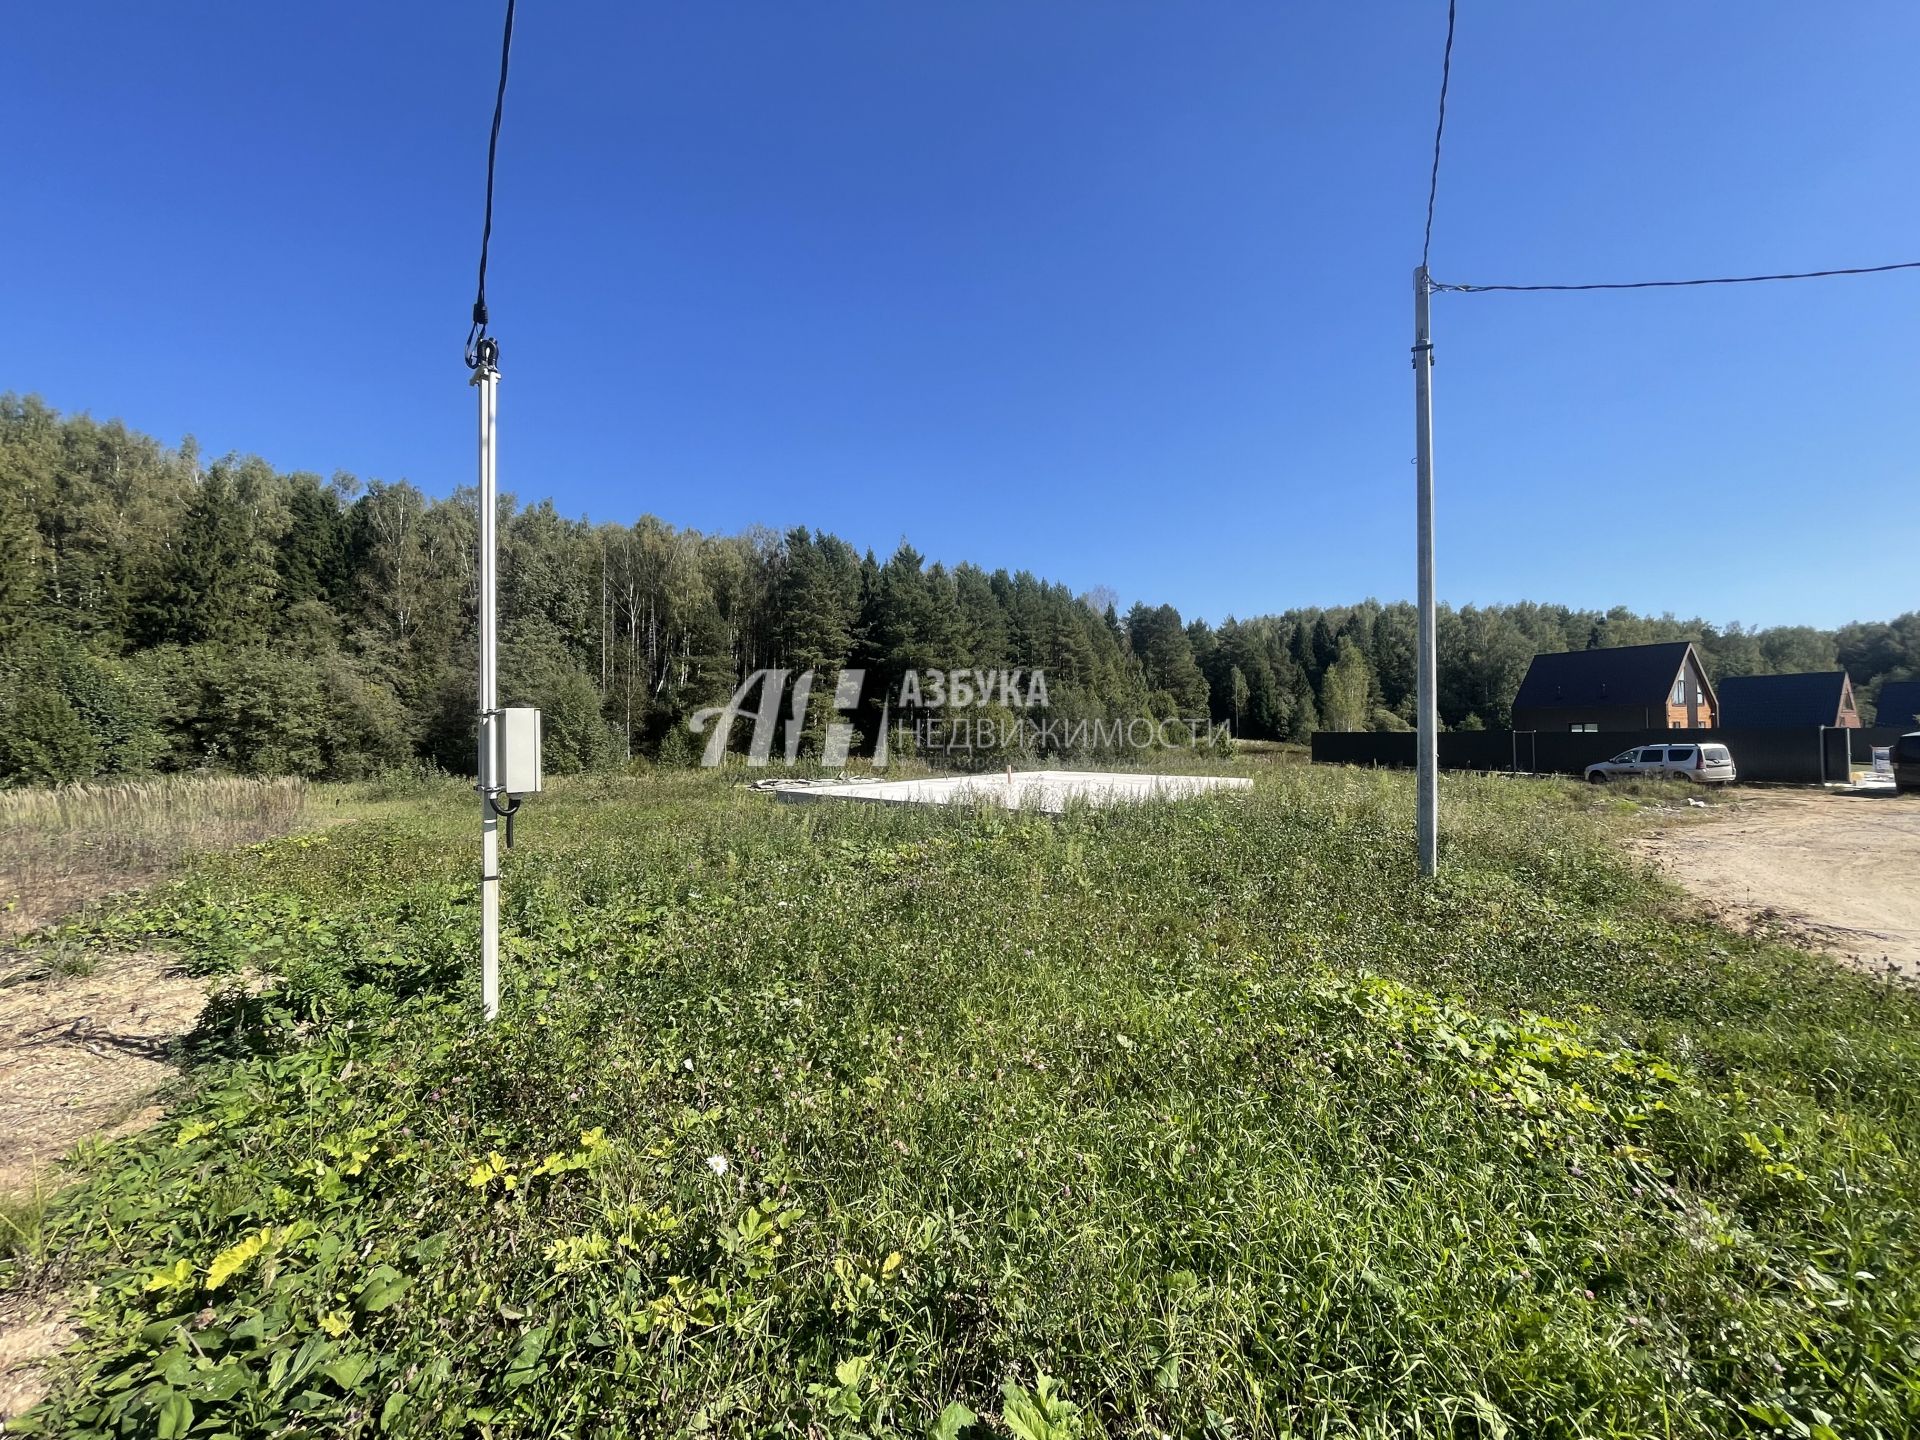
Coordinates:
(1047, 791)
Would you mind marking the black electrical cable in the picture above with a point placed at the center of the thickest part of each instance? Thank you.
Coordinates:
(1433, 191)
(1439, 129)
(506, 811)
(477, 334)
(1672, 284)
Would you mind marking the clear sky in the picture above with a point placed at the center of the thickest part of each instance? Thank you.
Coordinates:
(1115, 291)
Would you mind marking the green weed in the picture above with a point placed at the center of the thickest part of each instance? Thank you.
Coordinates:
(1203, 1119)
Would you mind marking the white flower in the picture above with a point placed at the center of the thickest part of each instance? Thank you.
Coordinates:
(717, 1164)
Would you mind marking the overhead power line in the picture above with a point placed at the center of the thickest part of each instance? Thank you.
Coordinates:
(1674, 284)
(1439, 129)
(479, 329)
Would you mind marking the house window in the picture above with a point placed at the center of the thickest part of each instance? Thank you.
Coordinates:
(1584, 729)
(1680, 691)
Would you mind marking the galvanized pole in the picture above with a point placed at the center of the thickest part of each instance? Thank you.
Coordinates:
(1426, 741)
(486, 376)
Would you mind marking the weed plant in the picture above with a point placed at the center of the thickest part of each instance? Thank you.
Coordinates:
(1208, 1118)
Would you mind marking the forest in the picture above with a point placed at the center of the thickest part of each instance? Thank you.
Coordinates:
(163, 612)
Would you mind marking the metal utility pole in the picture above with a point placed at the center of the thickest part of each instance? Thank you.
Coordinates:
(486, 378)
(508, 740)
(1427, 739)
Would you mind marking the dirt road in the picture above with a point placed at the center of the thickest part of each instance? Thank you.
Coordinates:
(1835, 869)
(80, 1054)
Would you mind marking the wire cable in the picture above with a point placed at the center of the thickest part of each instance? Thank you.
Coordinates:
(1673, 284)
(1439, 129)
(477, 334)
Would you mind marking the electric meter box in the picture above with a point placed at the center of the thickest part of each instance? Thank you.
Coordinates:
(516, 754)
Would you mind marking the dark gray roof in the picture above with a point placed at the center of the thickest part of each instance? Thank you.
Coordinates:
(1619, 675)
(1898, 704)
(1781, 701)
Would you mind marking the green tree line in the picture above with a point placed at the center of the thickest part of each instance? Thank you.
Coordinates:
(158, 611)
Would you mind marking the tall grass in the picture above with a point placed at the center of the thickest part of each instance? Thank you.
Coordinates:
(61, 845)
(838, 1122)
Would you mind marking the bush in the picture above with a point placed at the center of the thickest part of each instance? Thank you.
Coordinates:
(260, 711)
(680, 748)
(43, 740)
(574, 737)
(68, 714)
(367, 730)
(253, 711)
(414, 780)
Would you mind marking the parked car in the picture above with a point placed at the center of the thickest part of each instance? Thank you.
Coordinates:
(1906, 761)
(1706, 764)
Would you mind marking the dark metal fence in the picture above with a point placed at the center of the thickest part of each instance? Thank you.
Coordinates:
(1864, 740)
(1811, 756)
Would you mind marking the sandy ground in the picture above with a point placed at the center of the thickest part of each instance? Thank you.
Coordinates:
(83, 1055)
(33, 1329)
(79, 1055)
(1835, 869)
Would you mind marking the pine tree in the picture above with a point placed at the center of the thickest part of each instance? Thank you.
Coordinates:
(312, 557)
(216, 584)
(1165, 652)
(1305, 718)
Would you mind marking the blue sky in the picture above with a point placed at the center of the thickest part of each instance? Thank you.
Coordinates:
(1115, 291)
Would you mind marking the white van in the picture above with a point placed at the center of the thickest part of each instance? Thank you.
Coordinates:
(1707, 764)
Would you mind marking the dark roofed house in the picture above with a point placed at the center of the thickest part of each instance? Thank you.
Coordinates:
(1898, 704)
(1626, 687)
(1780, 702)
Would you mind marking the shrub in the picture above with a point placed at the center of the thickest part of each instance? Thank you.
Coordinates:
(573, 734)
(43, 740)
(69, 714)
(679, 747)
(250, 710)
(367, 729)
(259, 711)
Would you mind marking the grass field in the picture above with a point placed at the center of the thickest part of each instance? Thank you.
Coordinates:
(1205, 1119)
(61, 845)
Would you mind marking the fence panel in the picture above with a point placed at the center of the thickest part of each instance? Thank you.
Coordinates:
(1864, 740)
(1804, 757)
(1364, 747)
